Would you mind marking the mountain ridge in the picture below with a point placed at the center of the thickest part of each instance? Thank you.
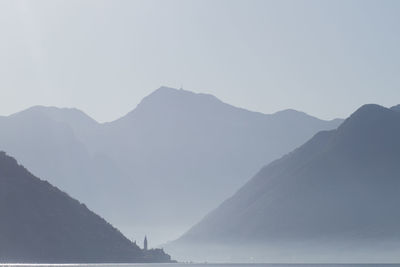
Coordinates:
(160, 92)
(294, 201)
(175, 144)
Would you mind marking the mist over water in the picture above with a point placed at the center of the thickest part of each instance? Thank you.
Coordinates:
(199, 265)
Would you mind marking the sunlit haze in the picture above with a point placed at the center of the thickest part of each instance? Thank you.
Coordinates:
(322, 57)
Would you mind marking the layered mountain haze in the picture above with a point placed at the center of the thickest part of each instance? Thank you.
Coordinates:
(148, 172)
(333, 199)
(50, 142)
(41, 224)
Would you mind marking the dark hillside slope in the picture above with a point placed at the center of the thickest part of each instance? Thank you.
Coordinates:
(40, 223)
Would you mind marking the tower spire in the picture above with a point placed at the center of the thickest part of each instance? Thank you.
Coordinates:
(145, 243)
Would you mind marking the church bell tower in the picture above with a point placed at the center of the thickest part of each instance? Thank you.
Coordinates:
(145, 243)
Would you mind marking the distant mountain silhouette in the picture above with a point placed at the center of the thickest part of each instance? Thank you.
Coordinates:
(50, 142)
(156, 164)
(339, 191)
(41, 224)
(396, 108)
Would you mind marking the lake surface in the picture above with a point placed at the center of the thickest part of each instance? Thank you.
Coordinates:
(200, 265)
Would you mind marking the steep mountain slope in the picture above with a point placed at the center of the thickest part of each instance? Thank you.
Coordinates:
(157, 162)
(40, 223)
(182, 146)
(340, 189)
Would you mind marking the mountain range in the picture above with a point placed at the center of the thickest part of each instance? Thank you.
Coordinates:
(149, 171)
(333, 199)
(41, 224)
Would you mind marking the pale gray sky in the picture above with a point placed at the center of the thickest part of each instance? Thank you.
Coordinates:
(322, 57)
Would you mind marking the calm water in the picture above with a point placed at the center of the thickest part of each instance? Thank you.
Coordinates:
(200, 265)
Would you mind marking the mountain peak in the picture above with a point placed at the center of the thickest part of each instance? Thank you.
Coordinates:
(169, 92)
(289, 111)
(370, 108)
(166, 90)
(167, 96)
(368, 114)
(57, 114)
(369, 120)
(166, 99)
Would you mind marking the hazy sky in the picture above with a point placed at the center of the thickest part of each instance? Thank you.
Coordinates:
(322, 57)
